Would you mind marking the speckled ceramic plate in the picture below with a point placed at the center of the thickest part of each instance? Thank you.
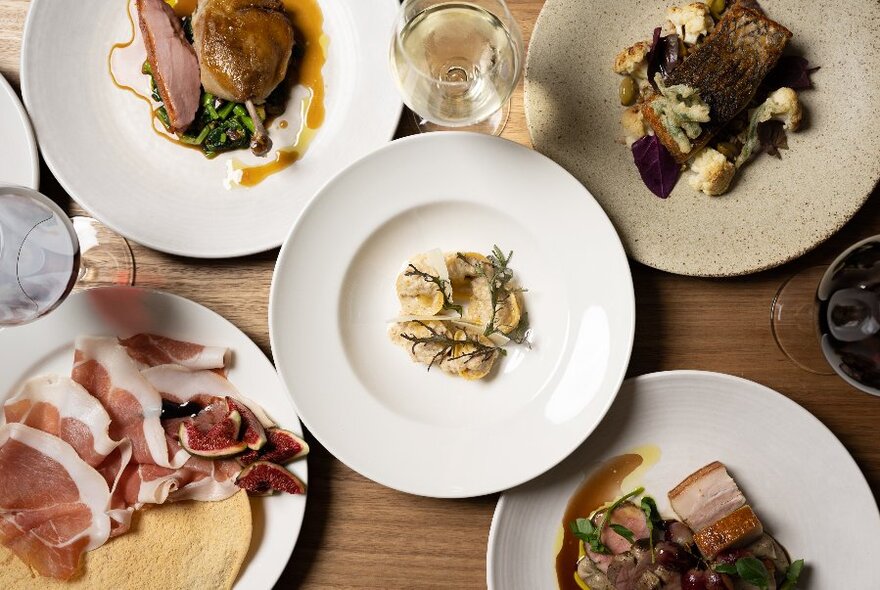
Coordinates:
(776, 210)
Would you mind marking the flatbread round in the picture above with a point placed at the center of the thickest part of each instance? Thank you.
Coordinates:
(181, 545)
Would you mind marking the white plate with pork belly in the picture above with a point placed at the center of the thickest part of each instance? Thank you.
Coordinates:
(99, 139)
(47, 347)
(793, 471)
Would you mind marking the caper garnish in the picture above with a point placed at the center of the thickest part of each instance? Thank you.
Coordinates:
(628, 91)
(716, 7)
(728, 150)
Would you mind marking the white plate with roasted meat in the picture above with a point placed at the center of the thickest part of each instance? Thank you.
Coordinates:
(19, 163)
(136, 433)
(427, 389)
(742, 483)
(205, 132)
(714, 134)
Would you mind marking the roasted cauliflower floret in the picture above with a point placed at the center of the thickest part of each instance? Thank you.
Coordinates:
(634, 126)
(633, 61)
(695, 18)
(783, 105)
(712, 172)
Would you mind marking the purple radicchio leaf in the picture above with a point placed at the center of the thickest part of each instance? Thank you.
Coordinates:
(664, 55)
(772, 136)
(657, 167)
(791, 71)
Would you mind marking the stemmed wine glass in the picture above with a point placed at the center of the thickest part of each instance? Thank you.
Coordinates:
(827, 319)
(44, 255)
(457, 63)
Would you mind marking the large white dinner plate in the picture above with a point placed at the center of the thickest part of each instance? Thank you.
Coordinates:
(98, 139)
(426, 432)
(46, 346)
(798, 476)
(19, 163)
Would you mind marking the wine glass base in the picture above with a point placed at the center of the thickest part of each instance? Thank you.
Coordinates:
(105, 257)
(493, 125)
(794, 315)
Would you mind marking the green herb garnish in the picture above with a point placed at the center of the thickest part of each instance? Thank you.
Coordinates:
(499, 278)
(591, 534)
(792, 574)
(725, 568)
(442, 284)
(623, 532)
(653, 519)
(753, 571)
(447, 344)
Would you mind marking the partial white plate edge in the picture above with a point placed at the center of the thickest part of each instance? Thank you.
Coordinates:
(497, 515)
(34, 182)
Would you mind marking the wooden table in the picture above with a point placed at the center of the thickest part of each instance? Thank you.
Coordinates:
(358, 534)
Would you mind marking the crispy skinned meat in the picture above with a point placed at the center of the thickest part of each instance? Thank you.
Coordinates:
(173, 61)
(727, 69)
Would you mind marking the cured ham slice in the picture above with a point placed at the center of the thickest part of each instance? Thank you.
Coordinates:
(54, 509)
(103, 367)
(151, 350)
(61, 407)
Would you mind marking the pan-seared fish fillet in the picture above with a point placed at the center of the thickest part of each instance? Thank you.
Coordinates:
(727, 69)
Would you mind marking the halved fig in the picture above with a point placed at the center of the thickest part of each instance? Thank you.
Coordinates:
(221, 440)
(253, 434)
(263, 479)
(282, 447)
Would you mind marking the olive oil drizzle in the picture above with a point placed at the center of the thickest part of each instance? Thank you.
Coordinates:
(308, 20)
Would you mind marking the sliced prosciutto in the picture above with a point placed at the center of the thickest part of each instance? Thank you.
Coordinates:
(173, 61)
(103, 367)
(61, 407)
(53, 505)
(151, 350)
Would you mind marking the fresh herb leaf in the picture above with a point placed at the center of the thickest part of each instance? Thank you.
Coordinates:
(442, 284)
(586, 531)
(499, 275)
(447, 344)
(753, 571)
(664, 55)
(791, 71)
(772, 136)
(792, 574)
(657, 167)
(725, 568)
(623, 532)
(652, 518)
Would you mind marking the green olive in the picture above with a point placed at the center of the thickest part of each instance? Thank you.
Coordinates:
(728, 149)
(716, 7)
(628, 91)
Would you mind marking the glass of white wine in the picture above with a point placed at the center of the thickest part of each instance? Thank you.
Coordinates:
(457, 63)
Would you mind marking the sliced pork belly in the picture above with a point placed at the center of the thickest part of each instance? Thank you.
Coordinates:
(173, 60)
(151, 350)
(706, 496)
(737, 529)
(103, 367)
(54, 509)
(61, 407)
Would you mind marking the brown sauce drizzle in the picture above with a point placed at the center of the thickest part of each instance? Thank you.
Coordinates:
(602, 486)
(308, 21)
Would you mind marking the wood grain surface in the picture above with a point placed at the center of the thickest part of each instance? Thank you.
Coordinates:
(358, 534)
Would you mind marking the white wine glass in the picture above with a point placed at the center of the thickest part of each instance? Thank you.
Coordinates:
(44, 255)
(457, 63)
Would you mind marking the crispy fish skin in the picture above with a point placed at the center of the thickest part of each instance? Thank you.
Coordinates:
(727, 69)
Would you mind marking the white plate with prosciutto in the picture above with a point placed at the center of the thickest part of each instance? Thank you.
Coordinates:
(204, 132)
(694, 481)
(137, 430)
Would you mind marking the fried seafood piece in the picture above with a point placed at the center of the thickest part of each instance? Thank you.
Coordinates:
(244, 49)
(726, 69)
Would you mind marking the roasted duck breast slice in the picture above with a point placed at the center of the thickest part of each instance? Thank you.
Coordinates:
(727, 70)
(173, 61)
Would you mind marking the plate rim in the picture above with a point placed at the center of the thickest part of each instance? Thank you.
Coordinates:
(451, 136)
(217, 317)
(830, 231)
(216, 252)
(24, 117)
(497, 515)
